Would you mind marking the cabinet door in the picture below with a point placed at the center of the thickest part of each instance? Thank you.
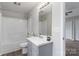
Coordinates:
(35, 50)
(46, 50)
(29, 48)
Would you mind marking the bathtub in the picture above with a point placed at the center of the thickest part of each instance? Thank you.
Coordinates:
(9, 47)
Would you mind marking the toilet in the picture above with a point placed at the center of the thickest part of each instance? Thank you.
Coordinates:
(24, 47)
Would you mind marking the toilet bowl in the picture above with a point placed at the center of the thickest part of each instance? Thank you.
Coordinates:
(24, 47)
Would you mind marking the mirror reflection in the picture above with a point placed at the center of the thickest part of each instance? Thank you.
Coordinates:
(45, 20)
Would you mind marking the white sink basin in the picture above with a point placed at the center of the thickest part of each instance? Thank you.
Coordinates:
(39, 41)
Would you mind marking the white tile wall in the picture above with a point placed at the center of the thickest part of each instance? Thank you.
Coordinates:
(14, 31)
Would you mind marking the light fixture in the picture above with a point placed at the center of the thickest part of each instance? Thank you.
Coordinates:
(45, 4)
(17, 3)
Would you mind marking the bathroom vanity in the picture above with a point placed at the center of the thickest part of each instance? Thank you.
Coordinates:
(39, 47)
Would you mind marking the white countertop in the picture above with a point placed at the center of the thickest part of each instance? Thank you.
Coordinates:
(39, 41)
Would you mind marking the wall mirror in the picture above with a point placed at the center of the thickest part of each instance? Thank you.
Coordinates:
(45, 19)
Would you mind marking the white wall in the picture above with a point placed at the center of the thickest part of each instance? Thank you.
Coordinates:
(58, 21)
(14, 29)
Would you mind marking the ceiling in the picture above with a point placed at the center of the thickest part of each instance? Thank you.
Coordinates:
(27, 6)
(23, 8)
(72, 5)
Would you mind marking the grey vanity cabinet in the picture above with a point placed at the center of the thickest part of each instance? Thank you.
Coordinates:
(29, 48)
(35, 50)
(43, 50)
(46, 50)
(32, 49)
